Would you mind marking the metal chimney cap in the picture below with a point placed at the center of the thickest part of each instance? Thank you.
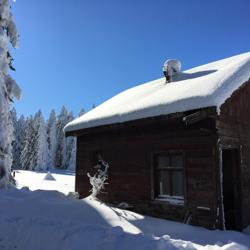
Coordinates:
(171, 68)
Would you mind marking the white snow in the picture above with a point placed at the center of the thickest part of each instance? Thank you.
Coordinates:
(45, 220)
(65, 180)
(199, 87)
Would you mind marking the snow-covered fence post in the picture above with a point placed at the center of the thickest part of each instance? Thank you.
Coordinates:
(98, 180)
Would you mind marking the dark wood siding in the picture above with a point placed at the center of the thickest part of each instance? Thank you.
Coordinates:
(129, 150)
(233, 126)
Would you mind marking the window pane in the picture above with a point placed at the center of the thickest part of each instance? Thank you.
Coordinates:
(176, 161)
(164, 183)
(178, 188)
(163, 161)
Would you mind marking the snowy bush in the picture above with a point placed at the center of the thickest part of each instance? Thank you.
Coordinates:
(98, 180)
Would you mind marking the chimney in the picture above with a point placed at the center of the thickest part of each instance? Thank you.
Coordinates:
(171, 68)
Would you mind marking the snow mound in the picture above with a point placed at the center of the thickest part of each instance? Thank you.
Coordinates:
(49, 177)
(204, 86)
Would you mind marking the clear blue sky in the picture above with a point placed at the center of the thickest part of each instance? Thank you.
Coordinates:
(81, 52)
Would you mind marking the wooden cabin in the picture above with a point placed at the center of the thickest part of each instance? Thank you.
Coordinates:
(178, 150)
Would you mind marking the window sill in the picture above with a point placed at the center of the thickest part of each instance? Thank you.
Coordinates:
(171, 201)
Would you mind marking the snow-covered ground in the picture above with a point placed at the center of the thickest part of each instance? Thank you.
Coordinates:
(64, 181)
(50, 220)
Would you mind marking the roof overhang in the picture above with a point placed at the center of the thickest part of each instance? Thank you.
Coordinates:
(188, 117)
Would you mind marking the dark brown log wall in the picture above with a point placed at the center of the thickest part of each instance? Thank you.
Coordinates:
(129, 150)
(233, 127)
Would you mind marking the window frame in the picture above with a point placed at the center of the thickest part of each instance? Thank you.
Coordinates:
(155, 177)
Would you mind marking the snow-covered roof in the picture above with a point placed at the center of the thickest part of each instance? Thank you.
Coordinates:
(204, 86)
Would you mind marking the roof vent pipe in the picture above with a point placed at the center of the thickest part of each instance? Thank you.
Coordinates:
(171, 68)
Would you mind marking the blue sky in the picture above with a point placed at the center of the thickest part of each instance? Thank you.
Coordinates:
(81, 52)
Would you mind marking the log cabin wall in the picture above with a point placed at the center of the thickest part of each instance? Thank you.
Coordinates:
(129, 149)
(233, 126)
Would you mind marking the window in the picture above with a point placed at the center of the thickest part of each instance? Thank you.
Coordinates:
(169, 181)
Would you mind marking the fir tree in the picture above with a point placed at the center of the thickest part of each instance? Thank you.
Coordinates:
(15, 141)
(8, 90)
(41, 146)
(27, 152)
(81, 112)
(52, 139)
(72, 160)
(68, 147)
(18, 142)
(61, 140)
(40, 156)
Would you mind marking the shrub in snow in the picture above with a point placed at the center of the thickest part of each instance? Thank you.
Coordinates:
(98, 180)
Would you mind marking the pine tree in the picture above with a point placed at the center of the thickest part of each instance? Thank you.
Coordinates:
(81, 112)
(18, 138)
(68, 146)
(61, 140)
(72, 160)
(52, 139)
(40, 157)
(18, 144)
(40, 146)
(27, 151)
(65, 150)
(15, 141)
(8, 90)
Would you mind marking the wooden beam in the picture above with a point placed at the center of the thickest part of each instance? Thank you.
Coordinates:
(199, 115)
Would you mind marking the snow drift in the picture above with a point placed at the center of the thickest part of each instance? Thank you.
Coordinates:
(49, 220)
(45, 220)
